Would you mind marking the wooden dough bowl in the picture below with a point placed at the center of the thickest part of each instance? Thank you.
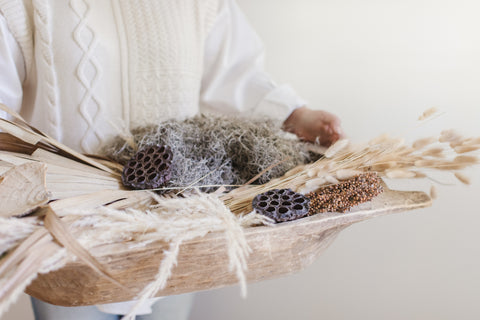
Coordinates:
(203, 263)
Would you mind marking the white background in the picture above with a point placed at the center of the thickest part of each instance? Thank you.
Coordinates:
(377, 64)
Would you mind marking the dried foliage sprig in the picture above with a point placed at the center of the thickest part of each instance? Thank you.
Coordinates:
(390, 157)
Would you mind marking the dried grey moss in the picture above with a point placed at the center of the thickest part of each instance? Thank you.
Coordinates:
(213, 150)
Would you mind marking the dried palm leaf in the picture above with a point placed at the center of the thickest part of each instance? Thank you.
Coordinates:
(23, 189)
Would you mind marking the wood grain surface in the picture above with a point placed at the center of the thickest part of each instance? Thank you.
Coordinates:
(277, 251)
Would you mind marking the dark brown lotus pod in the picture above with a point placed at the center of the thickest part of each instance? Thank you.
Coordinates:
(149, 168)
(281, 204)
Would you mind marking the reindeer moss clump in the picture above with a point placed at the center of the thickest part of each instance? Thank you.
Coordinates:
(218, 150)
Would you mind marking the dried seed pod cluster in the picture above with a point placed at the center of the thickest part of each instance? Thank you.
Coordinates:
(344, 195)
(149, 168)
(281, 204)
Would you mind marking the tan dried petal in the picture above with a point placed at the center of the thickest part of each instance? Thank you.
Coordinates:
(425, 163)
(381, 167)
(462, 178)
(419, 174)
(449, 136)
(400, 174)
(422, 143)
(428, 113)
(466, 160)
(450, 166)
(456, 143)
(433, 152)
(433, 192)
(471, 141)
(466, 148)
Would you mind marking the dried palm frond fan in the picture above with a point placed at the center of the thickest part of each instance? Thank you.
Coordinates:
(71, 234)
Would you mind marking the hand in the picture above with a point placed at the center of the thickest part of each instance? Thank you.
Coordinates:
(316, 126)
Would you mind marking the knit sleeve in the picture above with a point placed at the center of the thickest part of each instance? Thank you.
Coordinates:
(234, 79)
(12, 68)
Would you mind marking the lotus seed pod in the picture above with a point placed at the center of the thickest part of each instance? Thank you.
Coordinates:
(149, 168)
(281, 204)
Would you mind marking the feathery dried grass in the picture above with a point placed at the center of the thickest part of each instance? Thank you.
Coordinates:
(173, 220)
(388, 156)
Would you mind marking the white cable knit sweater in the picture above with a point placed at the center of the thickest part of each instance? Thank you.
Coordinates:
(82, 70)
(92, 68)
(154, 65)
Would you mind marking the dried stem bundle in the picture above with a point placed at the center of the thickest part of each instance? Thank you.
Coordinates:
(389, 157)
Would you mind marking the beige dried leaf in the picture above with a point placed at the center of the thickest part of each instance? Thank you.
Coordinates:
(381, 167)
(433, 152)
(428, 163)
(471, 141)
(462, 178)
(400, 174)
(427, 114)
(422, 143)
(466, 148)
(450, 135)
(466, 160)
(419, 174)
(433, 192)
(23, 189)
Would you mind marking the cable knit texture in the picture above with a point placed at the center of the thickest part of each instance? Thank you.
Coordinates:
(98, 63)
(15, 12)
(90, 106)
(46, 66)
(164, 71)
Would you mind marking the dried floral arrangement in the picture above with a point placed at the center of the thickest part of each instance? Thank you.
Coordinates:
(92, 208)
(217, 150)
